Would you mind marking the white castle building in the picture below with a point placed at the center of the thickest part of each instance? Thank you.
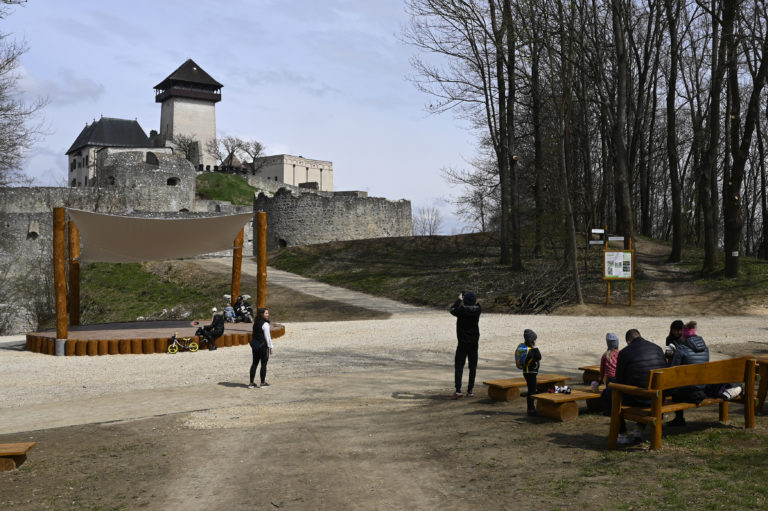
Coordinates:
(187, 98)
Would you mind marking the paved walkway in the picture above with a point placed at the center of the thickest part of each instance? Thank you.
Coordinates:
(313, 287)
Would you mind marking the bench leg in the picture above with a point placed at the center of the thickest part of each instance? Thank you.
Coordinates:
(499, 394)
(11, 462)
(656, 435)
(558, 411)
(724, 411)
(613, 432)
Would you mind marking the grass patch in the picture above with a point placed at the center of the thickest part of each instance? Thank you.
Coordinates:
(432, 270)
(123, 292)
(225, 187)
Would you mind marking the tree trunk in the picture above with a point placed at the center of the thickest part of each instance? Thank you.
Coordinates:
(502, 151)
(709, 163)
(732, 228)
(516, 261)
(673, 14)
(623, 199)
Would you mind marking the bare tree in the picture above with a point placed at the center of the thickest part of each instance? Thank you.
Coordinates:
(427, 221)
(16, 133)
(230, 150)
(188, 146)
(254, 150)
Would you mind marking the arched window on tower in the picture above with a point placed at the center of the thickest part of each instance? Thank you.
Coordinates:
(152, 159)
(173, 181)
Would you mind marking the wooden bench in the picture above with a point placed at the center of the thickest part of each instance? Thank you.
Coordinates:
(564, 407)
(660, 380)
(591, 373)
(509, 388)
(13, 455)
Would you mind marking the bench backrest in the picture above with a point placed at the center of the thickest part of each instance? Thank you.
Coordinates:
(731, 370)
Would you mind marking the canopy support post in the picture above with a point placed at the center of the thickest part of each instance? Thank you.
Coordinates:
(74, 273)
(60, 277)
(237, 265)
(261, 259)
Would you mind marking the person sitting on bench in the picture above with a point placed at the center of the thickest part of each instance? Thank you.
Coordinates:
(691, 350)
(633, 366)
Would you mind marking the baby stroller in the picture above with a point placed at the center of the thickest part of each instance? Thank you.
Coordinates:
(213, 331)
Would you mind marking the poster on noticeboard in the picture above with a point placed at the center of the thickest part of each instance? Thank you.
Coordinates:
(618, 264)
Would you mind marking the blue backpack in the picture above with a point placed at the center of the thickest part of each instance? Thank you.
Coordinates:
(521, 355)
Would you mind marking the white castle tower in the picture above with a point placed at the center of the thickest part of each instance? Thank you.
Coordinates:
(188, 100)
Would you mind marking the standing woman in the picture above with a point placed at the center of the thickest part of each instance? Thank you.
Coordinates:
(261, 346)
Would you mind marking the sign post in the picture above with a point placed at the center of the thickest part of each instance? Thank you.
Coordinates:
(618, 264)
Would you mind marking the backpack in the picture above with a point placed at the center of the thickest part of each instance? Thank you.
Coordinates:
(521, 355)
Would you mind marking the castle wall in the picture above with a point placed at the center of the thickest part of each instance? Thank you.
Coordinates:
(191, 117)
(310, 218)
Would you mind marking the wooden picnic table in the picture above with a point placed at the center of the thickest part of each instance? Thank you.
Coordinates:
(590, 374)
(509, 388)
(564, 407)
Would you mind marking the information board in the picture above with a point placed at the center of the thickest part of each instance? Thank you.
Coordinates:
(618, 264)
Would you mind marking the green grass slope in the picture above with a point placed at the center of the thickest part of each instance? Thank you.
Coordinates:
(225, 187)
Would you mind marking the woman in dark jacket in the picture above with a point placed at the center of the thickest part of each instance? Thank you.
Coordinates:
(692, 350)
(261, 347)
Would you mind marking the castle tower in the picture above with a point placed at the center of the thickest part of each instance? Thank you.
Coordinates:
(188, 100)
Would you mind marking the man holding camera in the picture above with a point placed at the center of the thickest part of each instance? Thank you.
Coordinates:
(467, 312)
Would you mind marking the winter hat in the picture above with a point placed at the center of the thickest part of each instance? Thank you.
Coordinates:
(676, 325)
(529, 336)
(689, 329)
(469, 298)
(612, 341)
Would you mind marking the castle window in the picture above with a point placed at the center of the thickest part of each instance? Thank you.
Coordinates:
(152, 159)
(173, 181)
(74, 182)
(86, 160)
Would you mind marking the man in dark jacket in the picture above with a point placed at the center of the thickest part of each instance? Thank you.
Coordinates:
(692, 350)
(467, 312)
(633, 367)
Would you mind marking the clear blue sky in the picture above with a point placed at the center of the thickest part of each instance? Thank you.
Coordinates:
(321, 79)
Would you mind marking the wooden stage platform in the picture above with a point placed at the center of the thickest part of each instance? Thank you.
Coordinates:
(141, 337)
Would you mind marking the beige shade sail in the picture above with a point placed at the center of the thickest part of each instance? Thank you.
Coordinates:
(121, 239)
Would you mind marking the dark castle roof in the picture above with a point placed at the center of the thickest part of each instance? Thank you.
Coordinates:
(111, 132)
(192, 74)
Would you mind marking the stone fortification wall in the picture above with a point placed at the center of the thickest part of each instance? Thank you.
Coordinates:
(271, 186)
(26, 214)
(310, 218)
(157, 182)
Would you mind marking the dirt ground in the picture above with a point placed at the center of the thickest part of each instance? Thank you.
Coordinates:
(414, 449)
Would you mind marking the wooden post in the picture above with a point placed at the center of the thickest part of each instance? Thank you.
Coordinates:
(237, 265)
(74, 273)
(607, 292)
(261, 259)
(631, 277)
(60, 276)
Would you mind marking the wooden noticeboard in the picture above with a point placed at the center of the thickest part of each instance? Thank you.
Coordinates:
(618, 264)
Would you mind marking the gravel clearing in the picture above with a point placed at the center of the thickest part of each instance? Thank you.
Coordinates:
(323, 348)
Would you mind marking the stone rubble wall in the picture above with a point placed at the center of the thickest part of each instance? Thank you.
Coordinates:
(310, 218)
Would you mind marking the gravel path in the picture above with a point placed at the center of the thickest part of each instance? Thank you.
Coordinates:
(422, 343)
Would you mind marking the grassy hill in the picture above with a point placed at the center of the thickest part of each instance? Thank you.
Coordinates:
(431, 271)
(225, 187)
